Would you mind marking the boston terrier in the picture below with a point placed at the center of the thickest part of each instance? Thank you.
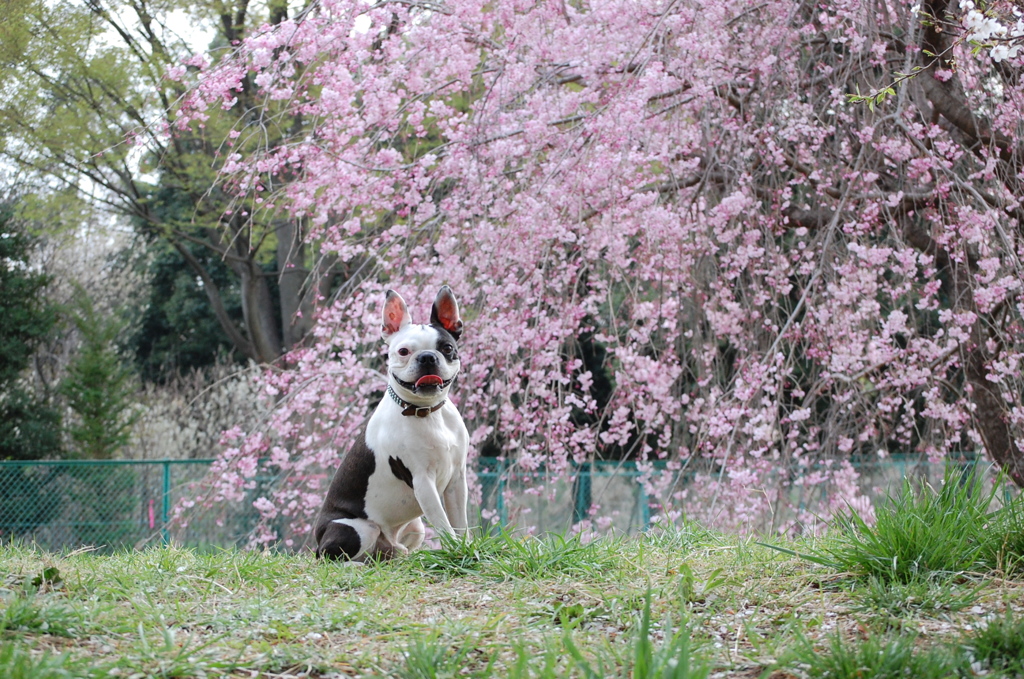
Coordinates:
(410, 461)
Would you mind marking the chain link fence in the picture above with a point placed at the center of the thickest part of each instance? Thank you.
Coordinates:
(611, 495)
(125, 504)
(112, 504)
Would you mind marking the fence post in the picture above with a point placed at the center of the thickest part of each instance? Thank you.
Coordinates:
(502, 509)
(645, 505)
(165, 510)
(582, 499)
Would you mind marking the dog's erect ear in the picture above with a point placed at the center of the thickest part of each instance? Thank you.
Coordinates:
(395, 315)
(445, 312)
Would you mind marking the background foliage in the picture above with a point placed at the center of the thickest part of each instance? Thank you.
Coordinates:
(133, 229)
(29, 422)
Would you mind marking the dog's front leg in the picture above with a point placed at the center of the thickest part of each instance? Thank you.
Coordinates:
(430, 502)
(456, 495)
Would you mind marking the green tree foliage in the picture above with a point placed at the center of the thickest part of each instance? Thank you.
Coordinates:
(87, 107)
(173, 329)
(25, 318)
(29, 425)
(99, 387)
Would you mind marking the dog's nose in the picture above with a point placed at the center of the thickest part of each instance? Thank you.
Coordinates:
(427, 358)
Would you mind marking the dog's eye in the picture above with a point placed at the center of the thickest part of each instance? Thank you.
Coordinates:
(447, 349)
(403, 352)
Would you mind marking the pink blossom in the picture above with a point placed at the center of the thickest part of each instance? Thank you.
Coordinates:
(675, 237)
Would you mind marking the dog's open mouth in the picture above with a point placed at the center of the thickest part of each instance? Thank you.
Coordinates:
(429, 381)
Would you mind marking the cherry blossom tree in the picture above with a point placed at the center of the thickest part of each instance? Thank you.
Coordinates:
(742, 243)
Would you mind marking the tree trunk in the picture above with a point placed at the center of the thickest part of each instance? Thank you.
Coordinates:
(991, 412)
(946, 97)
(294, 281)
(237, 337)
(258, 307)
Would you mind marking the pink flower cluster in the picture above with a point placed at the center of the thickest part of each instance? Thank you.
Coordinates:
(775, 281)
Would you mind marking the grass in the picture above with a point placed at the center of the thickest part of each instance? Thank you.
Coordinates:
(999, 645)
(878, 657)
(671, 605)
(996, 650)
(921, 533)
(19, 662)
(1006, 549)
(641, 658)
(503, 556)
(928, 535)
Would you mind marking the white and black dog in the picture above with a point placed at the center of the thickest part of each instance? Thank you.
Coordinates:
(411, 459)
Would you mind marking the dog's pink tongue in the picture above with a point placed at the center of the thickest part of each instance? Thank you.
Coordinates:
(429, 379)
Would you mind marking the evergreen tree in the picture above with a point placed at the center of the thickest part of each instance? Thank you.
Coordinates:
(29, 424)
(99, 387)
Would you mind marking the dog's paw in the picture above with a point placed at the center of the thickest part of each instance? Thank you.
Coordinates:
(384, 550)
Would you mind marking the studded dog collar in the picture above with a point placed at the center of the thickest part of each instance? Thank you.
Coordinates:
(410, 409)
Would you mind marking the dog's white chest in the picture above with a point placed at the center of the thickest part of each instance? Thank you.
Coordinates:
(410, 451)
(437, 440)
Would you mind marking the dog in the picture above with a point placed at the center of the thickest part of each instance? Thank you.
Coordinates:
(410, 460)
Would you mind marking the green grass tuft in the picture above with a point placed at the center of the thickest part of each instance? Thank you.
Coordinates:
(438, 656)
(927, 535)
(876, 657)
(921, 533)
(549, 662)
(505, 555)
(999, 646)
(673, 658)
(1005, 551)
(16, 662)
(679, 539)
(908, 599)
(27, 611)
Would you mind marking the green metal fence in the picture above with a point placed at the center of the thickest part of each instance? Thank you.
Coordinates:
(566, 499)
(120, 504)
(114, 504)
(614, 487)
